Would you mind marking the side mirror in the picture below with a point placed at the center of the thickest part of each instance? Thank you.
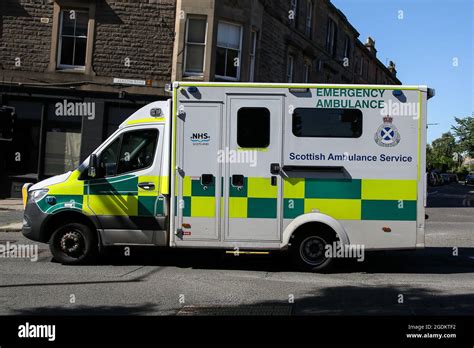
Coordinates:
(92, 171)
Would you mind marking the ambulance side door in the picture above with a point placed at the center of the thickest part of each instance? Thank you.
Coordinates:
(253, 182)
(125, 194)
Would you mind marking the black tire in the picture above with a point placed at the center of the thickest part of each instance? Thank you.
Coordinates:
(74, 244)
(308, 251)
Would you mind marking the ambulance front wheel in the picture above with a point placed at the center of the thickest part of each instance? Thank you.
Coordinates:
(74, 244)
(308, 251)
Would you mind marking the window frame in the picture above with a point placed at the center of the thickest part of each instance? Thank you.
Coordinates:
(331, 136)
(347, 47)
(90, 7)
(230, 78)
(309, 19)
(294, 8)
(253, 54)
(331, 37)
(190, 73)
(306, 72)
(290, 72)
(60, 66)
(120, 138)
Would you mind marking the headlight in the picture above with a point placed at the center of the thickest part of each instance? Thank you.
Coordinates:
(37, 195)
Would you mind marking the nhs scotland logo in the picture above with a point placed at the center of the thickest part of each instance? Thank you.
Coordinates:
(200, 139)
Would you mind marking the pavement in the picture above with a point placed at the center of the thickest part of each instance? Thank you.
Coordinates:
(437, 280)
(11, 215)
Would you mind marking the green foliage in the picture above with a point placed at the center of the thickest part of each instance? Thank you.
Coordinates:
(446, 153)
(464, 133)
(442, 152)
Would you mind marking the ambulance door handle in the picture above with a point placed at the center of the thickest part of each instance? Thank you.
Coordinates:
(275, 168)
(146, 186)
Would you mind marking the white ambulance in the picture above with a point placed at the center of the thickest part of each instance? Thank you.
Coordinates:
(248, 168)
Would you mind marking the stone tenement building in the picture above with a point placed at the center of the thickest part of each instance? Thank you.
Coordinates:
(117, 55)
(275, 41)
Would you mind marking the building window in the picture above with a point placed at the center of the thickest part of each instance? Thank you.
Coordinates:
(331, 37)
(366, 69)
(361, 66)
(62, 140)
(26, 138)
(229, 45)
(347, 47)
(196, 29)
(73, 39)
(307, 72)
(327, 123)
(290, 64)
(253, 127)
(293, 12)
(309, 18)
(253, 54)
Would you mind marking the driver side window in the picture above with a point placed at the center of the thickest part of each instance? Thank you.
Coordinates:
(137, 150)
(132, 151)
(108, 158)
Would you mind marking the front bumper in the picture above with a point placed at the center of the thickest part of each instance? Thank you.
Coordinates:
(33, 222)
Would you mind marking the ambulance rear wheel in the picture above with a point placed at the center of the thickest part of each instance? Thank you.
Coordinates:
(308, 251)
(74, 244)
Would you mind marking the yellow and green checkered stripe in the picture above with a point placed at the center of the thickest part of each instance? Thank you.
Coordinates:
(118, 196)
(199, 200)
(256, 199)
(353, 199)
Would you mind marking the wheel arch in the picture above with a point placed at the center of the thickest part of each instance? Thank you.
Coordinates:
(312, 218)
(63, 217)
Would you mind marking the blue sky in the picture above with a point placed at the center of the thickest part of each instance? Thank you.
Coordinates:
(423, 45)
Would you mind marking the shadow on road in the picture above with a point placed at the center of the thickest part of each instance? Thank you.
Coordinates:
(336, 300)
(354, 300)
(426, 261)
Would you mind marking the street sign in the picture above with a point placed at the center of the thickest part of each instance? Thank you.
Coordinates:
(130, 82)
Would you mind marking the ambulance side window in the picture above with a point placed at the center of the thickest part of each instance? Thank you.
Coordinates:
(253, 127)
(327, 123)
